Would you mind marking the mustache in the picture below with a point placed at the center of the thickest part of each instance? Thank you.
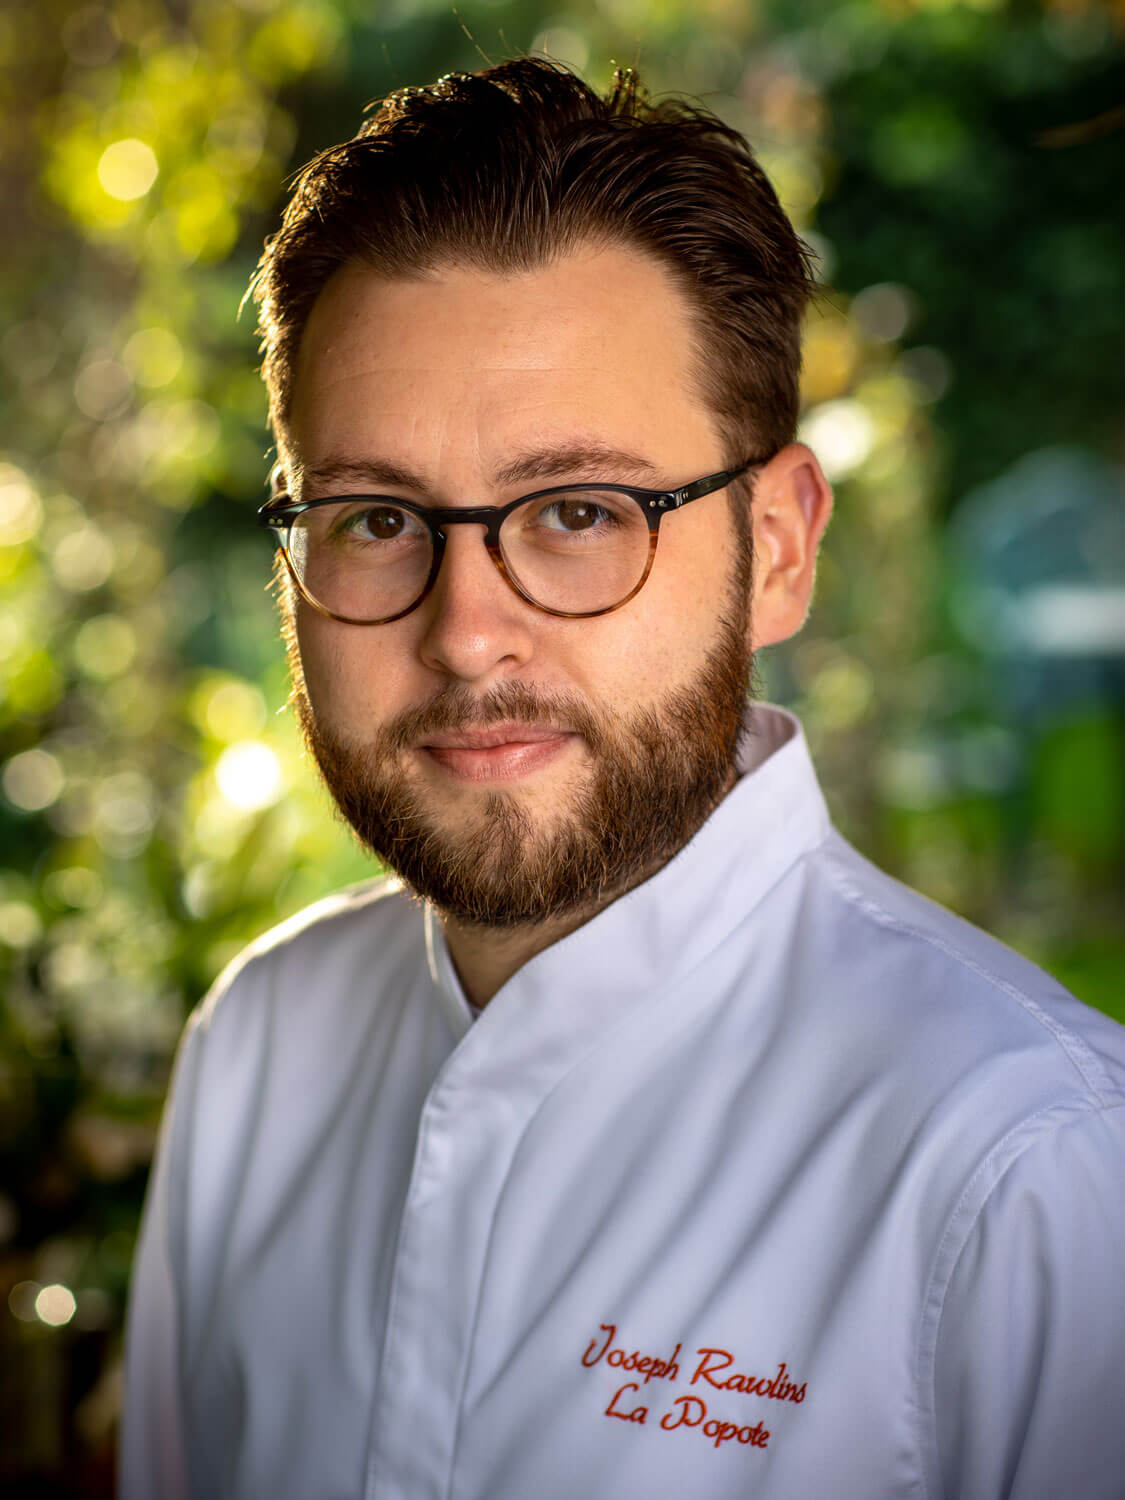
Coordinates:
(456, 706)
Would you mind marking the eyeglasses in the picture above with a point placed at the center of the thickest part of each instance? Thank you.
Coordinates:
(575, 551)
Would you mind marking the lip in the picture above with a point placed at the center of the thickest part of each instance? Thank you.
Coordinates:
(502, 752)
(493, 736)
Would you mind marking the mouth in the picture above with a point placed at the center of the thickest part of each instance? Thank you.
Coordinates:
(493, 736)
(500, 752)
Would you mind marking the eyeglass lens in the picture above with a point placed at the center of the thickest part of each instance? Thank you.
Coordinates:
(578, 553)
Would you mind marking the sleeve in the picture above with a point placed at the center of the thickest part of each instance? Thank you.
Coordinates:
(152, 1454)
(1029, 1375)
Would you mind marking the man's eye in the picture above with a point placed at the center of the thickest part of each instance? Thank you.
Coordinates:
(383, 523)
(377, 523)
(575, 514)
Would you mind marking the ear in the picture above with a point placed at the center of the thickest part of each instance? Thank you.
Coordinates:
(791, 507)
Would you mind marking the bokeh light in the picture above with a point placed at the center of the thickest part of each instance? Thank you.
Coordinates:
(249, 775)
(841, 433)
(55, 1305)
(20, 924)
(32, 780)
(21, 514)
(154, 356)
(127, 169)
(105, 646)
(102, 389)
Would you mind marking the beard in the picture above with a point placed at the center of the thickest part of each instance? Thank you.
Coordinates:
(657, 773)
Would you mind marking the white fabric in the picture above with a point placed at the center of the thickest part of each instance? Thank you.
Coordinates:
(773, 1180)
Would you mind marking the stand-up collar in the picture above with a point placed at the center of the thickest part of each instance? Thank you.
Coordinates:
(772, 816)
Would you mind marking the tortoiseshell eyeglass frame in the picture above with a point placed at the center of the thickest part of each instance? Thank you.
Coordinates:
(279, 514)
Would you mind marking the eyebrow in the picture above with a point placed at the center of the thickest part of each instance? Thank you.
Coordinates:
(572, 460)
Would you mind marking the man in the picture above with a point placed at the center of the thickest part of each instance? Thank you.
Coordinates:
(641, 1139)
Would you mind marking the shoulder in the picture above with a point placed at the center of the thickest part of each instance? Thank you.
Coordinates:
(312, 963)
(287, 1018)
(974, 1006)
(965, 1057)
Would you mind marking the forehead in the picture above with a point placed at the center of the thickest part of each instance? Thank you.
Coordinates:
(465, 365)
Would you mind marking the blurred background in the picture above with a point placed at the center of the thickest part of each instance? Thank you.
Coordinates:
(957, 165)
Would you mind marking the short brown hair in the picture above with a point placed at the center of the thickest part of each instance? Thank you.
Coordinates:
(505, 169)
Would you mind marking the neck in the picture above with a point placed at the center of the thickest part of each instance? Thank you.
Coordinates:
(486, 957)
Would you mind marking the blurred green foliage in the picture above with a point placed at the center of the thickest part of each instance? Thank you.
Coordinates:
(957, 163)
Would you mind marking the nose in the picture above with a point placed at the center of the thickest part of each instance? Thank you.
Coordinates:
(475, 627)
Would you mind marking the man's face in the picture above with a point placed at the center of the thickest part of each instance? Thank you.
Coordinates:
(512, 765)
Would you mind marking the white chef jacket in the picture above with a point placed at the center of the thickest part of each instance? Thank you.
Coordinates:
(772, 1180)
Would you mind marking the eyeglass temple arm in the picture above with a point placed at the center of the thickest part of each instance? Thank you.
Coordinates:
(707, 486)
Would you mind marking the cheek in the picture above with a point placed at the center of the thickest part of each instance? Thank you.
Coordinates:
(693, 586)
(319, 667)
(350, 675)
(654, 644)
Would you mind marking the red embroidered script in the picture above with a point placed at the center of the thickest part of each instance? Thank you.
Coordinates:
(648, 1365)
(713, 1369)
(714, 1361)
